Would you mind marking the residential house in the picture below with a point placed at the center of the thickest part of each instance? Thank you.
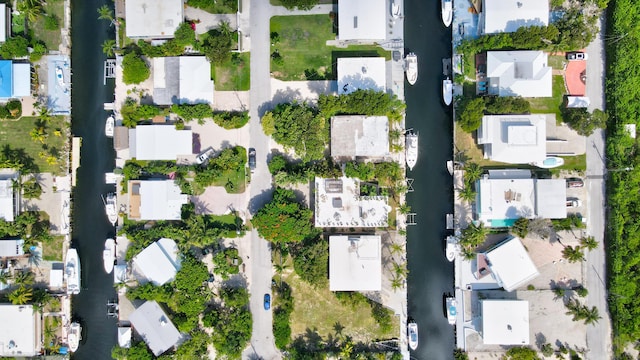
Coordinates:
(158, 263)
(355, 263)
(519, 73)
(153, 19)
(5, 22)
(155, 200)
(9, 200)
(11, 248)
(155, 328)
(359, 137)
(16, 79)
(513, 139)
(509, 264)
(508, 16)
(22, 333)
(505, 322)
(182, 80)
(159, 142)
(364, 73)
(363, 20)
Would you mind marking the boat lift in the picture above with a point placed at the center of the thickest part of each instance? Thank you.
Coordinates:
(109, 70)
(409, 184)
(411, 219)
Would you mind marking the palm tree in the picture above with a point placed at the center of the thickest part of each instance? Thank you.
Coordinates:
(559, 293)
(404, 209)
(31, 9)
(5, 276)
(280, 268)
(224, 28)
(108, 47)
(573, 254)
(591, 316)
(588, 243)
(105, 13)
(467, 253)
(396, 248)
(400, 270)
(24, 277)
(467, 194)
(397, 283)
(21, 295)
(574, 309)
(472, 172)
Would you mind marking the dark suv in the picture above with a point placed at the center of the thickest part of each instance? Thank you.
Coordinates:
(252, 159)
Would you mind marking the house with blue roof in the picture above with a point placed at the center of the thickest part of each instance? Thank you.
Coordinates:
(15, 79)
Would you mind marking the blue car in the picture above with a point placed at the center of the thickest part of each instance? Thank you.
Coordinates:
(267, 301)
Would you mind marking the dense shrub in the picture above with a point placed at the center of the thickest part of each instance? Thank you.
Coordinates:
(51, 22)
(362, 102)
(134, 69)
(226, 262)
(283, 219)
(189, 112)
(231, 322)
(132, 112)
(311, 261)
(232, 119)
(282, 310)
(14, 47)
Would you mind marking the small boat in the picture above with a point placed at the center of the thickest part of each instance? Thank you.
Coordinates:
(447, 91)
(447, 12)
(412, 333)
(452, 311)
(411, 68)
(395, 9)
(549, 162)
(453, 248)
(411, 150)
(72, 272)
(450, 167)
(110, 208)
(109, 126)
(59, 76)
(74, 336)
(108, 255)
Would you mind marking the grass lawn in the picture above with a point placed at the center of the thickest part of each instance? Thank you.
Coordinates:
(50, 37)
(553, 104)
(279, 3)
(52, 251)
(574, 163)
(557, 62)
(319, 309)
(15, 133)
(219, 7)
(233, 75)
(303, 48)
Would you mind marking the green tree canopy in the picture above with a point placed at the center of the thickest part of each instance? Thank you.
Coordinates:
(470, 114)
(134, 69)
(583, 122)
(283, 219)
(14, 47)
(311, 261)
(297, 127)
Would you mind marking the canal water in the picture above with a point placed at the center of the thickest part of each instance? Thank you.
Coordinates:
(90, 225)
(430, 274)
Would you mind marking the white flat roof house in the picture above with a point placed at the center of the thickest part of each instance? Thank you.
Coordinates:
(153, 19)
(338, 203)
(11, 247)
(509, 15)
(514, 139)
(159, 142)
(519, 73)
(363, 73)
(155, 327)
(20, 336)
(158, 263)
(354, 136)
(510, 264)
(362, 20)
(355, 263)
(505, 322)
(503, 196)
(155, 200)
(9, 205)
(5, 23)
(182, 80)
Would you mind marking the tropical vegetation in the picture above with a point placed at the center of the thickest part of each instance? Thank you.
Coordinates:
(283, 219)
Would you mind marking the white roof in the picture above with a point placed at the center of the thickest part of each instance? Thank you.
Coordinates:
(20, 338)
(161, 200)
(124, 337)
(3, 22)
(578, 101)
(196, 85)
(7, 209)
(362, 19)
(505, 322)
(21, 79)
(159, 142)
(510, 264)
(355, 263)
(519, 73)
(359, 135)
(338, 203)
(503, 199)
(551, 196)
(509, 15)
(11, 247)
(158, 263)
(514, 139)
(155, 327)
(157, 19)
(56, 278)
(364, 73)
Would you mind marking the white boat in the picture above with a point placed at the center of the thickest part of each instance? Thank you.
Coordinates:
(395, 9)
(72, 272)
(74, 336)
(109, 126)
(447, 91)
(59, 76)
(447, 12)
(450, 167)
(549, 162)
(110, 208)
(411, 68)
(109, 255)
(412, 334)
(411, 151)
(452, 311)
(452, 248)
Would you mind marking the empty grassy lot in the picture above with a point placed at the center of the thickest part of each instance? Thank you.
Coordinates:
(551, 105)
(234, 75)
(50, 37)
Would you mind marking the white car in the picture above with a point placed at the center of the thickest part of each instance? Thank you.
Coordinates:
(204, 156)
(576, 56)
(574, 203)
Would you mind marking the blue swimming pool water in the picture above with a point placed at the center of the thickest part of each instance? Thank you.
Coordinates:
(503, 222)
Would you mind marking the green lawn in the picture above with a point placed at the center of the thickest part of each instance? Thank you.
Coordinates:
(302, 46)
(216, 7)
(557, 62)
(52, 251)
(50, 37)
(553, 104)
(279, 3)
(15, 133)
(234, 75)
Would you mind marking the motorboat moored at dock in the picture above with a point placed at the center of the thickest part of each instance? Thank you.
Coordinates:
(395, 9)
(74, 336)
(411, 68)
(412, 334)
(110, 208)
(411, 149)
(109, 126)
(447, 91)
(452, 311)
(452, 248)
(447, 12)
(72, 272)
(109, 255)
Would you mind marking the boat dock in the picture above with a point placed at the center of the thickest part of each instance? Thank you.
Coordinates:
(109, 70)
(76, 143)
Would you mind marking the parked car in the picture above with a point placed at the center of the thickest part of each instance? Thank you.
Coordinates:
(252, 159)
(574, 182)
(573, 203)
(204, 156)
(575, 56)
(267, 301)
